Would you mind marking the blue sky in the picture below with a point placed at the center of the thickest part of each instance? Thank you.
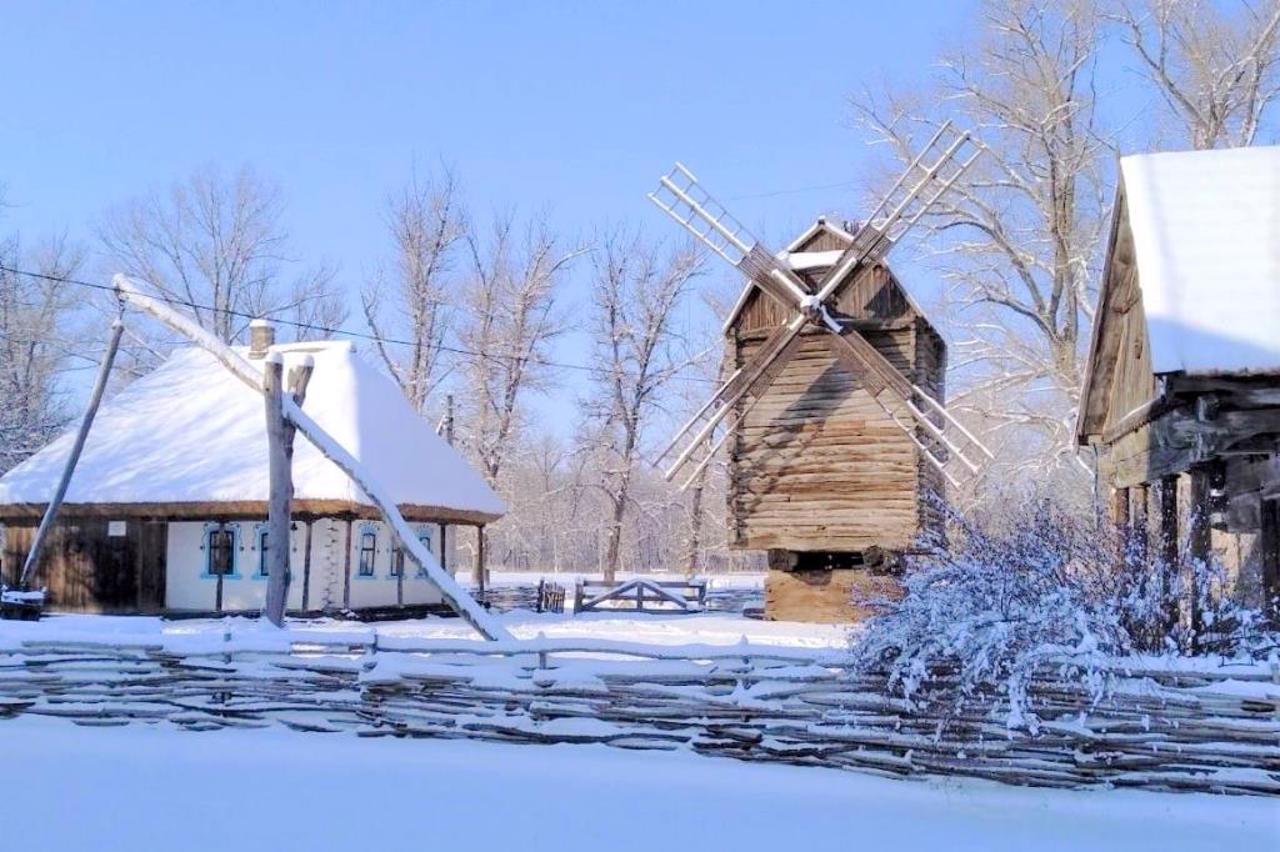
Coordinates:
(568, 109)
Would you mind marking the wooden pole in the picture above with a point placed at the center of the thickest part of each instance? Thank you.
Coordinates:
(454, 595)
(86, 422)
(448, 419)
(346, 566)
(1141, 520)
(1169, 542)
(1199, 539)
(481, 569)
(306, 569)
(1120, 507)
(280, 497)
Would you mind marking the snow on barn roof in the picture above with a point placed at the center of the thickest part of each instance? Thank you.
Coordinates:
(1206, 234)
(192, 433)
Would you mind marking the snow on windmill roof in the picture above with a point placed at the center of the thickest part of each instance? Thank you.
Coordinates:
(799, 260)
(191, 433)
(1206, 234)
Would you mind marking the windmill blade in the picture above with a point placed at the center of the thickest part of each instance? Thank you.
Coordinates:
(758, 373)
(947, 155)
(866, 362)
(682, 198)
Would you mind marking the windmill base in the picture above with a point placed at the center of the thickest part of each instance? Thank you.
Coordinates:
(829, 588)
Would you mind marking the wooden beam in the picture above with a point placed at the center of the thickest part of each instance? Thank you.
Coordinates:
(1140, 522)
(77, 447)
(306, 568)
(1270, 546)
(279, 503)
(481, 568)
(1199, 540)
(1168, 542)
(1120, 507)
(346, 566)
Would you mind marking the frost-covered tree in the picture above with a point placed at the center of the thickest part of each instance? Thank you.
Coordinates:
(512, 317)
(216, 243)
(636, 288)
(1215, 65)
(410, 298)
(1017, 240)
(37, 344)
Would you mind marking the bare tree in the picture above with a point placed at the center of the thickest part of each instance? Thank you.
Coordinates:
(1017, 240)
(37, 344)
(426, 221)
(512, 320)
(1214, 65)
(217, 245)
(636, 288)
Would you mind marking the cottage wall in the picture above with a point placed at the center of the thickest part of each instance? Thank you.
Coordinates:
(191, 587)
(136, 565)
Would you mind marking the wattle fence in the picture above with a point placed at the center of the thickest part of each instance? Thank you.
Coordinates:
(1196, 728)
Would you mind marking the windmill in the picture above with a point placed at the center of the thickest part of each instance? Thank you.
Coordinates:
(833, 399)
(926, 179)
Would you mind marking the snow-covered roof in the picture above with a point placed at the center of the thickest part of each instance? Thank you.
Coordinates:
(192, 433)
(1206, 233)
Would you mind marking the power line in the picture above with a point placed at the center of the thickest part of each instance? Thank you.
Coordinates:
(316, 327)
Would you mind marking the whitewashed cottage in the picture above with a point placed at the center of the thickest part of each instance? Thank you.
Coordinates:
(167, 510)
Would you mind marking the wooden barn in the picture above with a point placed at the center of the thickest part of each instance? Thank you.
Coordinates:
(1182, 395)
(167, 508)
(820, 476)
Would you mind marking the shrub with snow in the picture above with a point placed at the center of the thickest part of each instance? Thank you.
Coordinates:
(1041, 590)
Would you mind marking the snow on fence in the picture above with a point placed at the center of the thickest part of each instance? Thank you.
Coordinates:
(1197, 728)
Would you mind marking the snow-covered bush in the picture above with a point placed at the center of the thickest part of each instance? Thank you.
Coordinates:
(1040, 589)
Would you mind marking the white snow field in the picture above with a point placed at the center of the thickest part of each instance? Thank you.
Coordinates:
(140, 788)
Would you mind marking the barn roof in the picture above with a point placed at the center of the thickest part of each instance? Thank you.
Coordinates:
(1206, 238)
(191, 433)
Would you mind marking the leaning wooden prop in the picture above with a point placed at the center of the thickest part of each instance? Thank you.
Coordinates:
(23, 602)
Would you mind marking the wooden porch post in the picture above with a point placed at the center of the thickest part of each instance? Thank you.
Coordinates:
(1198, 539)
(306, 568)
(1120, 507)
(346, 567)
(481, 568)
(1168, 541)
(1141, 520)
(1270, 538)
(444, 546)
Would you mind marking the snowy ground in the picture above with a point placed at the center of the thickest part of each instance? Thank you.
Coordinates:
(140, 788)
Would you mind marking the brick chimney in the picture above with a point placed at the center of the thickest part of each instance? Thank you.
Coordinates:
(262, 336)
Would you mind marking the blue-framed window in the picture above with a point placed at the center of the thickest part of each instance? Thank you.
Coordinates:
(368, 551)
(424, 537)
(263, 545)
(220, 550)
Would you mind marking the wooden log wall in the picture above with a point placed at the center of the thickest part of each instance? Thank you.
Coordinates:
(816, 464)
(1167, 729)
(86, 569)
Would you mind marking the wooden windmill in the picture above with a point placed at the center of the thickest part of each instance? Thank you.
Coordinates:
(833, 404)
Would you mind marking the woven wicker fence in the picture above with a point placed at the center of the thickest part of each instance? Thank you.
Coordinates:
(1189, 728)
